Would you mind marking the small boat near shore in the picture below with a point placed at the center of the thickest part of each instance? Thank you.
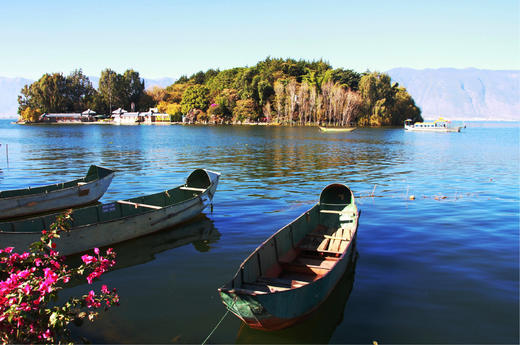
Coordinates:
(289, 275)
(105, 224)
(336, 129)
(439, 125)
(318, 327)
(30, 201)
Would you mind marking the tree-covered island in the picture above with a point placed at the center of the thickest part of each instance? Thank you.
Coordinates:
(274, 91)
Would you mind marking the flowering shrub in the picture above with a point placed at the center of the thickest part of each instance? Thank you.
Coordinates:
(29, 284)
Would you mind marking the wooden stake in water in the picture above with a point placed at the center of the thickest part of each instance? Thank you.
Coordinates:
(7, 152)
(373, 190)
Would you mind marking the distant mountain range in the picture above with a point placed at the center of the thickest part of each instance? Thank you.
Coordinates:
(462, 94)
(457, 94)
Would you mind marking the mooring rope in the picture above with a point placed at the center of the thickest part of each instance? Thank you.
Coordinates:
(214, 329)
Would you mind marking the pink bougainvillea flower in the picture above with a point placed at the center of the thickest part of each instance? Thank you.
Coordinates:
(27, 289)
(47, 334)
(88, 259)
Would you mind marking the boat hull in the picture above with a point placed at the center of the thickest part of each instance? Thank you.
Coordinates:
(337, 129)
(440, 129)
(59, 199)
(82, 238)
(271, 312)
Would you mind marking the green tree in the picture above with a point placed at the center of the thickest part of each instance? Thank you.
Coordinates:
(245, 109)
(111, 90)
(226, 102)
(346, 77)
(195, 97)
(49, 94)
(79, 91)
(385, 104)
(265, 91)
(133, 90)
(377, 97)
(405, 108)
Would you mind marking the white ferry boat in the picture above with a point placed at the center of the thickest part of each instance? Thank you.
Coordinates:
(439, 125)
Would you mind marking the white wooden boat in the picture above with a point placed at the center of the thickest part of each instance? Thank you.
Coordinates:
(83, 191)
(106, 224)
(439, 125)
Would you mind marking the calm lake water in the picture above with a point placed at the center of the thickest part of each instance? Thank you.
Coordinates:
(443, 268)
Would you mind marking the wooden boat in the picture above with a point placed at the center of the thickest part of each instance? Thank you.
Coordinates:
(439, 125)
(318, 327)
(106, 224)
(83, 191)
(337, 129)
(287, 277)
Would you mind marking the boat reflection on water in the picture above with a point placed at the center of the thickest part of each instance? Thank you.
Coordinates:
(199, 231)
(318, 327)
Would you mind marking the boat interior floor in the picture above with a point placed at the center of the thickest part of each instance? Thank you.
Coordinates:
(315, 255)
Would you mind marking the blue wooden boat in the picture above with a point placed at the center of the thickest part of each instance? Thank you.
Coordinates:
(289, 275)
(59, 196)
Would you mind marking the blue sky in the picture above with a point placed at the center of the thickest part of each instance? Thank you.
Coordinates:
(171, 38)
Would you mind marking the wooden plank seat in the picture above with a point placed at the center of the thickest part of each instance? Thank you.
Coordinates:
(136, 204)
(193, 189)
(323, 245)
(334, 212)
(329, 237)
(318, 255)
(281, 283)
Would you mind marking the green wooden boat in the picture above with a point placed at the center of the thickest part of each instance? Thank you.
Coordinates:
(318, 327)
(289, 275)
(59, 196)
(105, 224)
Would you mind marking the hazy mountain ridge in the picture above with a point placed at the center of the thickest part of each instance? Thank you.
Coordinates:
(463, 94)
(10, 89)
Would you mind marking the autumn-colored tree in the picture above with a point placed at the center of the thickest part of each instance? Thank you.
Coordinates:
(157, 93)
(175, 92)
(245, 110)
(175, 112)
(30, 115)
